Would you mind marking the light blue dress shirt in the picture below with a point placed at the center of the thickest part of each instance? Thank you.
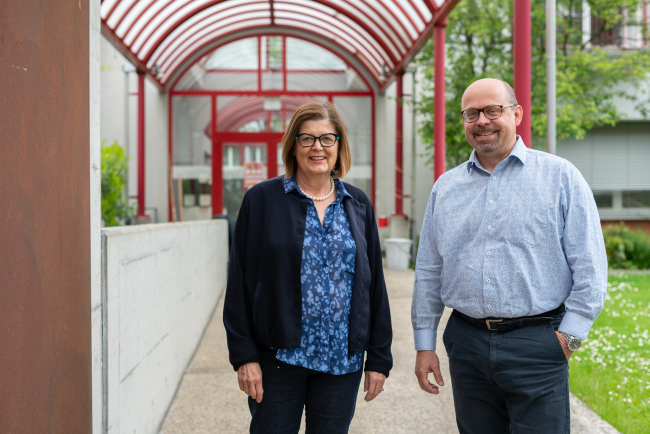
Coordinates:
(327, 277)
(515, 242)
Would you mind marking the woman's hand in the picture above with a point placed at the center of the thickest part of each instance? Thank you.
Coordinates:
(250, 380)
(373, 384)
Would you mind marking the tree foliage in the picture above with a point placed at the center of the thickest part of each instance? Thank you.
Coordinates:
(115, 204)
(479, 45)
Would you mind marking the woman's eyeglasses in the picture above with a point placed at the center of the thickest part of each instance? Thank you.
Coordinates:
(326, 140)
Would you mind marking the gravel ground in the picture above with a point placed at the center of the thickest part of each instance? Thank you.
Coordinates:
(208, 399)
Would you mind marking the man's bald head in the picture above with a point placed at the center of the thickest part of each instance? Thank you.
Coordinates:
(493, 131)
(489, 83)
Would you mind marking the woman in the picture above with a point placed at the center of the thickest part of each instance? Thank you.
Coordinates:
(306, 295)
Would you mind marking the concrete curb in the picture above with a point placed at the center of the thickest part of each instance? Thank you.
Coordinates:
(585, 421)
(615, 272)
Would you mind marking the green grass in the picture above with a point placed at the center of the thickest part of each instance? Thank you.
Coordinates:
(611, 372)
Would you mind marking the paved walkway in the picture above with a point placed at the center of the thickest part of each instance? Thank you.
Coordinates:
(209, 400)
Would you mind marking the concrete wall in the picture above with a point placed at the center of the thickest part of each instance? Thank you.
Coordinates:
(119, 121)
(160, 284)
(95, 215)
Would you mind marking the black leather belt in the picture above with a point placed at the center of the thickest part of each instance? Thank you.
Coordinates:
(509, 324)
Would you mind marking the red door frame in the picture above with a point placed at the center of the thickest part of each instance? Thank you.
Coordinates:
(218, 139)
(268, 137)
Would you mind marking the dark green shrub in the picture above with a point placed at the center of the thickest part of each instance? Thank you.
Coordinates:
(115, 204)
(626, 249)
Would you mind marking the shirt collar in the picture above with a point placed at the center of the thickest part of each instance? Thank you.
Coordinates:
(519, 151)
(290, 184)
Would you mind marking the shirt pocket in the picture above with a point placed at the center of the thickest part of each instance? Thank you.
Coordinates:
(527, 221)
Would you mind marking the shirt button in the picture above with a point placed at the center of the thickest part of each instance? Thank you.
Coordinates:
(489, 253)
(490, 228)
(488, 280)
(489, 306)
(491, 201)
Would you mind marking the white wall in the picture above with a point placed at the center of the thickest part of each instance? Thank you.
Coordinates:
(114, 127)
(160, 285)
(417, 178)
(95, 213)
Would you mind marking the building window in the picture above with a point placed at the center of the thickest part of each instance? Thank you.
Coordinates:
(605, 34)
(604, 199)
(636, 199)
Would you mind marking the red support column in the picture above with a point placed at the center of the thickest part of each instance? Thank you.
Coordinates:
(141, 85)
(399, 95)
(439, 152)
(217, 164)
(521, 63)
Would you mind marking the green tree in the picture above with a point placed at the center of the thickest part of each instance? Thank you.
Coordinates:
(479, 45)
(115, 204)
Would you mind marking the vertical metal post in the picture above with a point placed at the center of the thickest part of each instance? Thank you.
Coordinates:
(521, 63)
(141, 156)
(217, 163)
(399, 178)
(127, 69)
(550, 77)
(439, 153)
(645, 23)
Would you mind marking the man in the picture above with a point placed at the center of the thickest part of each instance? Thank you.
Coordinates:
(511, 240)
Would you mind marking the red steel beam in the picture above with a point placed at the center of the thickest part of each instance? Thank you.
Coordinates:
(335, 7)
(128, 10)
(372, 5)
(141, 87)
(399, 96)
(167, 54)
(272, 92)
(439, 153)
(521, 65)
(439, 17)
(217, 164)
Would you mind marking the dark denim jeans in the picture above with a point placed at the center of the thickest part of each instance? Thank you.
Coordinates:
(516, 381)
(329, 400)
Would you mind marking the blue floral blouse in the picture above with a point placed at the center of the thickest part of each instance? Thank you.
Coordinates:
(327, 277)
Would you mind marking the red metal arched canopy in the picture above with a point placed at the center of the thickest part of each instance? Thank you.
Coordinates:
(159, 36)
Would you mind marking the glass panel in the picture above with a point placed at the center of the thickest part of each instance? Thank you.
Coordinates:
(240, 54)
(244, 165)
(303, 55)
(225, 69)
(192, 155)
(604, 199)
(198, 78)
(356, 113)
(271, 52)
(281, 170)
(636, 199)
(252, 114)
(242, 114)
(271, 62)
(347, 80)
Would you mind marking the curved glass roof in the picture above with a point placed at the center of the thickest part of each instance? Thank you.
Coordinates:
(160, 36)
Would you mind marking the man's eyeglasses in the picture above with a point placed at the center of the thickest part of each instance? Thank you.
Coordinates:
(326, 140)
(491, 112)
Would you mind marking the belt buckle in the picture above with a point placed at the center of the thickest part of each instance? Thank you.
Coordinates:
(489, 323)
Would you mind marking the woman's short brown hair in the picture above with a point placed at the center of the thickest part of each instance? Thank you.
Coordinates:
(316, 111)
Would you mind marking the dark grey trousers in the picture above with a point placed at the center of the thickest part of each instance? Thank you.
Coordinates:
(508, 382)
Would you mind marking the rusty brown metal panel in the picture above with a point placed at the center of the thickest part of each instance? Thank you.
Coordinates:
(45, 328)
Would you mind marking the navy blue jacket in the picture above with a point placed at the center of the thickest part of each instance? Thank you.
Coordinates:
(263, 304)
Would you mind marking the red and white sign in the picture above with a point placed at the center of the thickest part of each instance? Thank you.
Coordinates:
(253, 173)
